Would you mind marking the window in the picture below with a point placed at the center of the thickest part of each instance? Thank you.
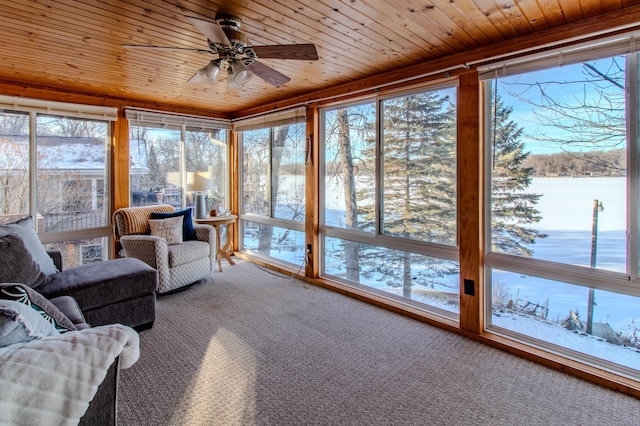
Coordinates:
(389, 197)
(175, 158)
(14, 165)
(273, 186)
(562, 174)
(65, 186)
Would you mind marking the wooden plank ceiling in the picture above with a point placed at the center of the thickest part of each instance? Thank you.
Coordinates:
(77, 45)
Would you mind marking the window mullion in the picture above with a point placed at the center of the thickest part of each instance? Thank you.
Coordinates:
(272, 196)
(33, 166)
(632, 164)
(379, 172)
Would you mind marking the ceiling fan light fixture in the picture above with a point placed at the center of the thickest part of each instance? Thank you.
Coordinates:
(239, 75)
(206, 74)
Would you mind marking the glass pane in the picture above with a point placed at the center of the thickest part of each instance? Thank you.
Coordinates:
(419, 166)
(288, 172)
(558, 169)
(605, 326)
(428, 280)
(14, 166)
(280, 243)
(349, 167)
(206, 155)
(637, 142)
(155, 166)
(255, 172)
(72, 177)
(80, 252)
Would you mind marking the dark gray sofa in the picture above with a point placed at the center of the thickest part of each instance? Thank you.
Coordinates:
(103, 407)
(114, 291)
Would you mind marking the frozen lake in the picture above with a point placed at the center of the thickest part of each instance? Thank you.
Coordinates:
(567, 211)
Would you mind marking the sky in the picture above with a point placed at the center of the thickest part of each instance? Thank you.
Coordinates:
(569, 90)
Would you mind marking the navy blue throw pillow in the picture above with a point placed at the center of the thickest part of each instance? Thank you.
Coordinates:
(188, 231)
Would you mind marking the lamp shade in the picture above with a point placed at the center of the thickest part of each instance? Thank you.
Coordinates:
(239, 75)
(207, 74)
(199, 181)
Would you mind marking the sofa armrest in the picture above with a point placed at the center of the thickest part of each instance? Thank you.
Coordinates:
(56, 255)
(103, 408)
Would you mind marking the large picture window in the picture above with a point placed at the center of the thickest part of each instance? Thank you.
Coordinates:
(561, 252)
(273, 186)
(174, 158)
(389, 196)
(68, 175)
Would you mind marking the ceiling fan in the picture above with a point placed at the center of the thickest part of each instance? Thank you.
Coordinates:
(234, 54)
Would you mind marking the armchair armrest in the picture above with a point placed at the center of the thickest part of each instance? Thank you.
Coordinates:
(150, 249)
(206, 233)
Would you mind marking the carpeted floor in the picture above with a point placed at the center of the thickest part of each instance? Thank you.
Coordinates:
(255, 348)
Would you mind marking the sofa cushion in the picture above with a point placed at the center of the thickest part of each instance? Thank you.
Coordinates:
(24, 228)
(20, 323)
(21, 293)
(17, 264)
(103, 283)
(188, 231)
(186, 252)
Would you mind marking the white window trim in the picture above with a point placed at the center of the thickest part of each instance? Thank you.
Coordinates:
(91, 112)
(144, 117)
(269, 120)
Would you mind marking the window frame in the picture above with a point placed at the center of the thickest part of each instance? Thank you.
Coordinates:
(270, 122)
(377, 238)
(183, 123)
(61, 110)
(625, 283)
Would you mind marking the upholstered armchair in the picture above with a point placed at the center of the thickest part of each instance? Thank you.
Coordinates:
(178, 264)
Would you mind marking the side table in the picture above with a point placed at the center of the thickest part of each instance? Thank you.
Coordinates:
(217, 222)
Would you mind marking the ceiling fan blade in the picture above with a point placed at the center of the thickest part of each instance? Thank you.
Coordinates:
(143, 46)
(211, 30)
(287, 51)
(268, 74)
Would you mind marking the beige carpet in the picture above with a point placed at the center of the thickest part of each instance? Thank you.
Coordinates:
(254, 348)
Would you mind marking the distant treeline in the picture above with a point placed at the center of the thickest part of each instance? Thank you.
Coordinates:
(593, 163)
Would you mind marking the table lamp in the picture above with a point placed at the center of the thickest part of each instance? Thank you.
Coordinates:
(199, 182)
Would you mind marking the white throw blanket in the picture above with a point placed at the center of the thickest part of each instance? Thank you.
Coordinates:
(50, 381)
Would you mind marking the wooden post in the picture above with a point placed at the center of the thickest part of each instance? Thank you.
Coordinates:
(312, 239)
(119, 168)
(469, 204)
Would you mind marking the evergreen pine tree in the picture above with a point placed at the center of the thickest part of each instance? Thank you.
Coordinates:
(511, 207)
(419, 184)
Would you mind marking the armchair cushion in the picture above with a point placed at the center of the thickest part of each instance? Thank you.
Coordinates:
(170, 229)
(188, 251)
(188, 231)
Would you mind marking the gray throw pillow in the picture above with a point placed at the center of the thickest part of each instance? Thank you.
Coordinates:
(24, 228)
(28, 296)
(19, 323)
(16, 263)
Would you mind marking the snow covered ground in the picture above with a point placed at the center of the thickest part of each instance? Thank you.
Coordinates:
(580, 342)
